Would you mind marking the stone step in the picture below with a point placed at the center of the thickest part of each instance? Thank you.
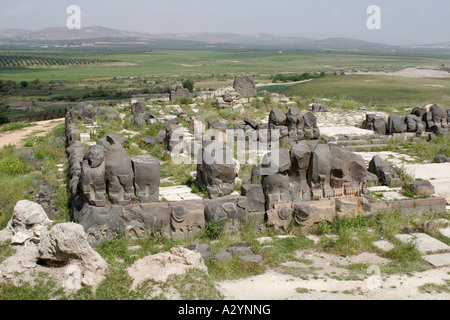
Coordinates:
(366, 147)
(177, 193)
(378, 141)
(351, 142)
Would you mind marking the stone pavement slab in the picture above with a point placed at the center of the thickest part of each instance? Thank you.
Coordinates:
(439, 259)
(445, 232)
(177, 193)
(384, 245)
(338, 131)
(424, 243)
(437, 173)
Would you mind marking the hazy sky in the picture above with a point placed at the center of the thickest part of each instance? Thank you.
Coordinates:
(402, 21)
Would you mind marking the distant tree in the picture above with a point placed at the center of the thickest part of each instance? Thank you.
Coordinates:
(24, 84)
(188, 84)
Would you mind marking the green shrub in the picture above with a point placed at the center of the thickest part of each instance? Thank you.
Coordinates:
(11, 165)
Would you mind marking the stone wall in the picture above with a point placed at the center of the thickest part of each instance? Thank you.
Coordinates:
(114, 194)
(431, 118)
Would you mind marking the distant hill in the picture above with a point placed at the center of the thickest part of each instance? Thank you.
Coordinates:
(346, 43)
(98, 32)
(12, 33)
(211, 37)
(51, 34)
(444, 45)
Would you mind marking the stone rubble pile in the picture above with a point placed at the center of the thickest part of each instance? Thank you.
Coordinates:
(312, 181)
(61, 250)
(431, 118)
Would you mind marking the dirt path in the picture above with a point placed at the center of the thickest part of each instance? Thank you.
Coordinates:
(16, 137)
(411, 73)
(324, 277)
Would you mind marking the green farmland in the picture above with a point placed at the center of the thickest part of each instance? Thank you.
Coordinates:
(376, 90)
(162, 63)
(72, 75)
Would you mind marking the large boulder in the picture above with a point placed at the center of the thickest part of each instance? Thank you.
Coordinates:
(196, 126)
(276, 161)
(375, 123)
(318, 107)
(84, 111)
(420, 187)
(61, 251)
(179, 92)
(438, 113)
(384, 171)
(413, 123)
(244, 85)
(396, 124)
(348, 168)
(255, 196)
(174, 138)
(252, 123)
(279, 215)
(311, 130)
(27, 223)
(277, 117)
(66, 242)
(138, 106)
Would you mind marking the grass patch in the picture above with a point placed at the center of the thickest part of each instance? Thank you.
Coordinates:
(6, 250)
(396, 93)
(12, 126)
(302, 290)
(43, 288)
(422, 149)
(435, 288)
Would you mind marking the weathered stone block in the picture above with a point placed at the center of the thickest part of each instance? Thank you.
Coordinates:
(223, 209)
(93, 183)
(279, 215)
(147, 175)
(119, 175)
(255, 196)
(186, 218)
(308, 213)
(244, 85)
(216, 169)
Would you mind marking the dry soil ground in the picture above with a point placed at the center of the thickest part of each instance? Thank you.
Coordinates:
(326, 278)
(16, 137)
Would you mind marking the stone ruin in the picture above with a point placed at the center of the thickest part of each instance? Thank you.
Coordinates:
(113, 193)
(431, 118)
(244, 85)
(178, 93)
(309, 180)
